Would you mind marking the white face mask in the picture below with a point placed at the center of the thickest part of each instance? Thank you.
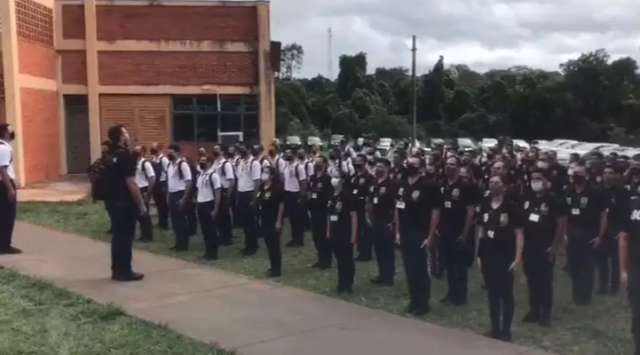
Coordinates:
(335, 182)
(537, 186)
(264, 177)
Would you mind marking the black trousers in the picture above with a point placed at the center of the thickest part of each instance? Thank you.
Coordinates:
(383, 242)
(224, 218)
(272, 241)
(124, 230)
(208, 227)
(500, 291)
(146, 227)
(179, 220)
(455, 258)
(415, 266)
(192, 218)
(580, 255)
(634, 300)
(319, 233)
(343, 252)
(539, 271)
(295, 212)
(608, 264)
(247, 219)
(7, 216)
(365, 240)
(108, 205)
(160, 199)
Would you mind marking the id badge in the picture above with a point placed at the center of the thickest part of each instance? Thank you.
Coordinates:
(491, 234)
(447, 204)
(314, 195)
(401, 205)
(575, 211)
(333, 218)
(375, 200)
(355, 191)
(534, 217)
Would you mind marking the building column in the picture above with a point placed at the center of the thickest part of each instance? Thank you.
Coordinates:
(13, 107)
(93, 95)
(267, 122)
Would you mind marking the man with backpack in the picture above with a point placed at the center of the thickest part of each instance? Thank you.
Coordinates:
(160, 166)
(179, 180)
(99, 185)
(295, 181)
(146, 181)
(224, 170)
(248, 171)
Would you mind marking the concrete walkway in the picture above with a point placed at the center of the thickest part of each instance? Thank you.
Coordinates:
(69, 188)
(252, 317)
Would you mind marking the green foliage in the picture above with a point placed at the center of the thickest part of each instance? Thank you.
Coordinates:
(291, 60)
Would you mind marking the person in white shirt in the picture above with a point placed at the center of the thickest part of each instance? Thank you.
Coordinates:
(295, 181)
(339, 165)
(160, 190)
(180, 188)
(248, 171)
(224, 169)
(8, 194)
(146, 181)
(209, 200)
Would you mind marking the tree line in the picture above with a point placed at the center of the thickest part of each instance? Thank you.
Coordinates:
(589, 98)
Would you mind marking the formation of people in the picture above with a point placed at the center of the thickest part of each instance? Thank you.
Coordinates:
(443, 209)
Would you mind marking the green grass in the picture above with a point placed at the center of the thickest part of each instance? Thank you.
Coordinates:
(603, 328)
(37, 318)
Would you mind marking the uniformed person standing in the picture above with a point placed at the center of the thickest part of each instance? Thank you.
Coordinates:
(8, 192)
(320, 192)
(295, 181)
(146, 181)
(179, 187)
(248, 171)
(342, 225)
(500, 226)
(381, 214)
(629, 247)
(224, 170)
(127, 202)
(270, 202)
(545, 220)
(456, 238)
(586, 230)
(208, 205)
(416, 220)
(360, 185)
(160, 191)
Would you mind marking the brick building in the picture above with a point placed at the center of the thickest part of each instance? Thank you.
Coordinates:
(187, 71)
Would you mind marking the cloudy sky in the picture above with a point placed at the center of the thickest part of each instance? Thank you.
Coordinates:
(484, 34)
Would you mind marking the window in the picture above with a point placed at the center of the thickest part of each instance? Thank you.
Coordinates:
(204, 118)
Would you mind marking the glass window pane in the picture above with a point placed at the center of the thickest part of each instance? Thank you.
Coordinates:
(251, 103)
(250, 121)
(207, 103)
(207, 128)
(231, 103)
(230, 122)
(183, 127)
(183, 103)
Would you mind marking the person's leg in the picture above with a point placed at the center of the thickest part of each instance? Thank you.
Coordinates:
(365, 242)
(422, 279)
(208, 229)
(508, 304)
(224, 220)
(8, 217)
(407, 261)
(574, 264)
(601, 265)
(530, 270)
(614, 256)
(448, 262)
(296, 219)
(179, 222)
(493, 299)
(389, 252)
(317, 235)
(272, 241)
(545, 295)
(160, 199)
(634, 301)
(350, 265)
(109, 208)
(461, 271)
(250, 224)
(122, 241)
(338, 249)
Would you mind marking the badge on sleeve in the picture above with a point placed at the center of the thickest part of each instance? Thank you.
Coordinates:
(339, 206)
(455, 194)
(635, 215)
(314, 195)
(400, 205)
(504, 219)
(534, 217)
(575, 211)
(442, 190)
(568, 200)
(383, 190)
(319, 185)
(375, 200)
(526, 205)
(485, 217)
(447, 204)
(415, 195)
(491, 234)
(267, 195)
(333, 218)
(583, 202)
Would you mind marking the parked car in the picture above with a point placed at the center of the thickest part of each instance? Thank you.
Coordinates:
(293, 142)
(336, 139)
(466, 144)
(521, 144)
(384, 144)
(488, 143)
(313, 140)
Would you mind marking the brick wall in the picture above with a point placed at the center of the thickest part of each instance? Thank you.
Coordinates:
(40, 130)
(74, 67)
(222, 23)
(36, 59)
(73, 22)
(34, 22)
(177, 68)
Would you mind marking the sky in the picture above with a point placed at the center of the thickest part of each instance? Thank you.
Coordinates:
(484, 34)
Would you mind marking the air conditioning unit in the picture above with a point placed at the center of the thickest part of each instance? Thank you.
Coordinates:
(230, 137)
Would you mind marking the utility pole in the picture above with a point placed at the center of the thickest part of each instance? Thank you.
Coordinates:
(330, 54)
(414, 111)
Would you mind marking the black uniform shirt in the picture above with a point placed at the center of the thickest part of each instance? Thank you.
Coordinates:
(397, 174)
(456, 198)
(383, 199)
(616, 200)
(585, 209)
(360, 186)
(124, 166)
(320, 191)
(340, 207)
(415, 203)
(540, 216)
(268, 202)
(632, 228)
(499, 226)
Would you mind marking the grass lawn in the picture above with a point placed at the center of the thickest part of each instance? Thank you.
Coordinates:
(603, 328)
(39, 319)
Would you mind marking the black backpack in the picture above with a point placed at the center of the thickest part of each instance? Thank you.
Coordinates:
(101, 176)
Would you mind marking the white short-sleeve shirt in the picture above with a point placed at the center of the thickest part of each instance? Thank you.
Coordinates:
(247, 171)
(144, 172)
(293, 174)
(6, 159)
(208, 182)
(224, 169)
(164, 164)
(175, 183)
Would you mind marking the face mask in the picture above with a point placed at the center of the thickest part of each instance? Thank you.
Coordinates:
(579, 179)
(317, 167)
(203, 166)
(537, 186)
(379, 173)
(412, 170)
(265, 176)
(12, 136)
(495, 191)
(358, 166)
(171, 156)
(335, 182)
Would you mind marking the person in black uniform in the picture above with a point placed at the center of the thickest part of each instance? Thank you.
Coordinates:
(320, 192)
(545, 220)
(416, 220)
(586, 229)
(501, 229)
(127, 202)
(360, 185)
(270, 202)
(607, 262)
(342, 226)
(629, 248)
(381, 213)
(397, 171)
(456, 221)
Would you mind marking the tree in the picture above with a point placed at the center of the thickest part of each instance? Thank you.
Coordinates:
(353, 70)
(291, 60)
(433, 95)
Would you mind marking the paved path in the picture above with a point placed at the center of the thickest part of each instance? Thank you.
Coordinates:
(252, 317)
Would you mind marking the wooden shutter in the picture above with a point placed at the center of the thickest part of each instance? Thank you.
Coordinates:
(146, 116)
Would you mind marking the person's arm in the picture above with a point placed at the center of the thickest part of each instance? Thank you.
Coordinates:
(302, 181)
(433, 227)
(519, 248)
(468, 223)
(218, 198)
(396, 225)
(229, 174)
(134, 190)
(151, 178)
(6, 181)
(623, 248)
(255, 172)
(561, 229)
(280, 217)
(597, 241)
(354, 227)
